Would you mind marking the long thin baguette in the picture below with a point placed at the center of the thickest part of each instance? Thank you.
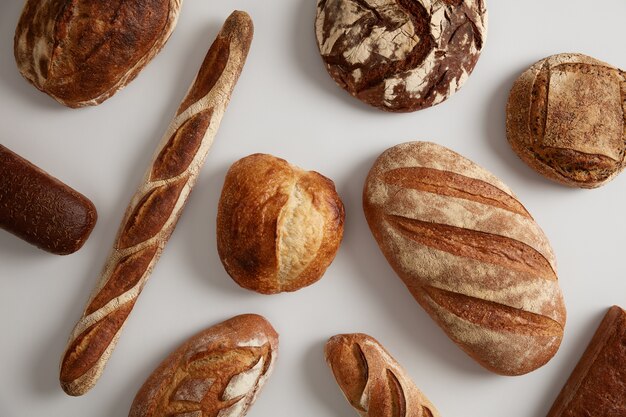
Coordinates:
(156, 207)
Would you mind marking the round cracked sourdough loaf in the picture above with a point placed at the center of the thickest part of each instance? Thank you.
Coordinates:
(469, 253)
(278, 226)
(566, 118)
(401, 55)
(217, 373)
(82, 52)
(372, 381)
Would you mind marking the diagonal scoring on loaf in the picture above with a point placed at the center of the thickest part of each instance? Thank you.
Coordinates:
(481, 246)
(451, 184)
(180, 150)
(492, 315)
(85, 351)
(398, 398)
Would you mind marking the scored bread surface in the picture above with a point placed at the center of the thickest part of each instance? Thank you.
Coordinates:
(155, 208)
(469, 253)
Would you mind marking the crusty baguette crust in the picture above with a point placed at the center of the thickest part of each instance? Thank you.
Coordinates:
(219, 371)
(597, 386)
(82, 52)
(469, 253)
(278, 227)
(575, 136)
(156, 207)
(372, 381)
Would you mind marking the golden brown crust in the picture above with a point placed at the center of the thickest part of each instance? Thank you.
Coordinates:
(469, 253)
(278, 227)
(154, 212)
(82, 52)
(566, 118)
(372, 381)
(217, 372)
(597, 386)
(41, 209)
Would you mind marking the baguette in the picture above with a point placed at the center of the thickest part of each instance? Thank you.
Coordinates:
(156, 207)
(372, 381)
(218, 372)
(469, 253)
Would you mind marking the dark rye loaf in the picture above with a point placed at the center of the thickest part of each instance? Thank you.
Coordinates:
(469, 253)
(401, 55)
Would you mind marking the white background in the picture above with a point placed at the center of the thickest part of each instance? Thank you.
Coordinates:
(286, 104)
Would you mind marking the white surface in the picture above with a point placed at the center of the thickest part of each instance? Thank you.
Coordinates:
(286, 104)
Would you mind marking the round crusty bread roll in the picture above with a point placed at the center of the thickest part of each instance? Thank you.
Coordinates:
(278, 227)
(566, 119)
(401, 55)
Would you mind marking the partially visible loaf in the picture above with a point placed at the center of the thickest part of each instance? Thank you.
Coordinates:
(597, 386)
(566, 118)
(278, 226)
(81, 52)
(218, 372)
(469, 253)
(372, 381)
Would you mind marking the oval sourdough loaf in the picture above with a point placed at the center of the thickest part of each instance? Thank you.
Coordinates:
(401, 55)
(469, 253)
(81, 52)
(372, 381)
(218, 372)
(278, 226)
(566, 118)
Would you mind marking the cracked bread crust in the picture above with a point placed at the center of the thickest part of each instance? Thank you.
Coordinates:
(566, 118)
(401, 55)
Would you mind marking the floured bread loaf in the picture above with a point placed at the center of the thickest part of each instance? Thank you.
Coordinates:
(469, 253)
(218, 372)
(81, 52)
(278, 227)
(566, 118)
(401, 55)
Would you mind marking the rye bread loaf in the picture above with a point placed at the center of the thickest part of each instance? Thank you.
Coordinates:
(566, 118)
(278, 227)
(81, 52)
(400, 55)
(216, 373)
(372, 381)
(597, 386)
(469, 253)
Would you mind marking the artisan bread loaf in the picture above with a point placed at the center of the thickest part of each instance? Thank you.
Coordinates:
(278, 226)
(218, 372)
(566, 118)
(401, 55)
(41, 209)
(156, 207)
(469, 253)
(81, 52)
(372, 381)
(597, 386)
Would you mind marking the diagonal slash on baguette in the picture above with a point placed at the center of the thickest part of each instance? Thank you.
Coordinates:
(156, 207)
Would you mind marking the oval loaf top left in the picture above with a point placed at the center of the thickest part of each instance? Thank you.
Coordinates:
(82, 52)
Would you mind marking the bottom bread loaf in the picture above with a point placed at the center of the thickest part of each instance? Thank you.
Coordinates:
(218, 372)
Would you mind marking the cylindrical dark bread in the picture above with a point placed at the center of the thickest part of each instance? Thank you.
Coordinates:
(566, 118)
(41, 209)
(372, 381)
(469, 253)
(401, 55)
(81, 52)
(278, 226)
(218, 372)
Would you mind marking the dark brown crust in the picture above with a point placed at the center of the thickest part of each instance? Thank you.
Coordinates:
(216, 355)
(255, 193)
(96, 47)
(40, 209)
(597, 386)
(579, 154)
